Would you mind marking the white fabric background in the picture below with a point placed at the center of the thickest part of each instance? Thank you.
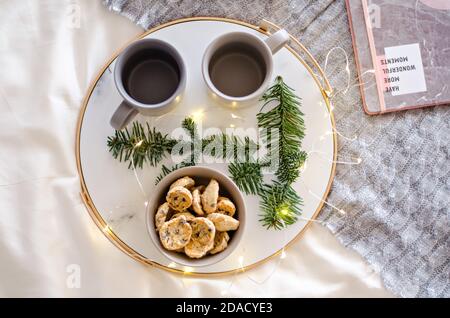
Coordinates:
(46, 66)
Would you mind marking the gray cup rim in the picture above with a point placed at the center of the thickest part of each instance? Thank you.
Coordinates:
(142, 45)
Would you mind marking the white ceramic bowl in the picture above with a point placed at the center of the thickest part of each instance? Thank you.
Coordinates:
(201, 175)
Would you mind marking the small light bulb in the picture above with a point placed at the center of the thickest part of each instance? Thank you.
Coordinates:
(359, 160)
(232, 125)
(107, 229)
(188, 270)
(303, 168)
(342, 212)
(172, 265)
(283, 254)
(139, 144)
(234, 104)
(198, 115)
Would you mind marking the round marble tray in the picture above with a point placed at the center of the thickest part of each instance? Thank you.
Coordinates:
(115, 195)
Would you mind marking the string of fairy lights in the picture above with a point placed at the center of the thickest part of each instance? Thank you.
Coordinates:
(199, 116)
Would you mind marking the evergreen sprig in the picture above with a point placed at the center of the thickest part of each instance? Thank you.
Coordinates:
(281, 205)
(144, 144)
(289, 167)
(247, 176)
(139, 145)
(286, 120)
(189, 125)
(283, 130)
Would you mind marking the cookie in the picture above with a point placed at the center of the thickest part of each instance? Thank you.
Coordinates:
(189, 216)
(179, 198)
(175, 234)
(185, 182)
(200, 188)
(196, 202)
(202, 238)
(220, 242)
(210, 196)
(223, 222)
(162, 215)
(225, 206)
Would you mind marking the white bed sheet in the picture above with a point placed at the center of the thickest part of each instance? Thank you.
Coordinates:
(47, 62)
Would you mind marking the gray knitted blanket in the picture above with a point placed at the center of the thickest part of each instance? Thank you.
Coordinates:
(398, 200)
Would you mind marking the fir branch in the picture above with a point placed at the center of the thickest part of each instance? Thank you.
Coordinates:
(289, 168)
(247, 176)
(140, 145)
(287, 120)
(190, 126)
(280, 205)
(285, 116)
(194, 143)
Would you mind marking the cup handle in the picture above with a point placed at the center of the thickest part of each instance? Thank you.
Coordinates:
(122, 116)
(277, 40)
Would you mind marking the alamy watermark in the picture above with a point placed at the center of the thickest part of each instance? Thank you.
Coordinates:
(231, 145)
(73, 279)
(374, 12)
(73, 15)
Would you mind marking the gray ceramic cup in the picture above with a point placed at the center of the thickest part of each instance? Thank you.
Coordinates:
(150, 75)
(237, 66)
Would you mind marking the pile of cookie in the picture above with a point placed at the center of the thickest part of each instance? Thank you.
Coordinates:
(194, 219)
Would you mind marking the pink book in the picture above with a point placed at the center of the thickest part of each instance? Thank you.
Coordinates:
(402, 50)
